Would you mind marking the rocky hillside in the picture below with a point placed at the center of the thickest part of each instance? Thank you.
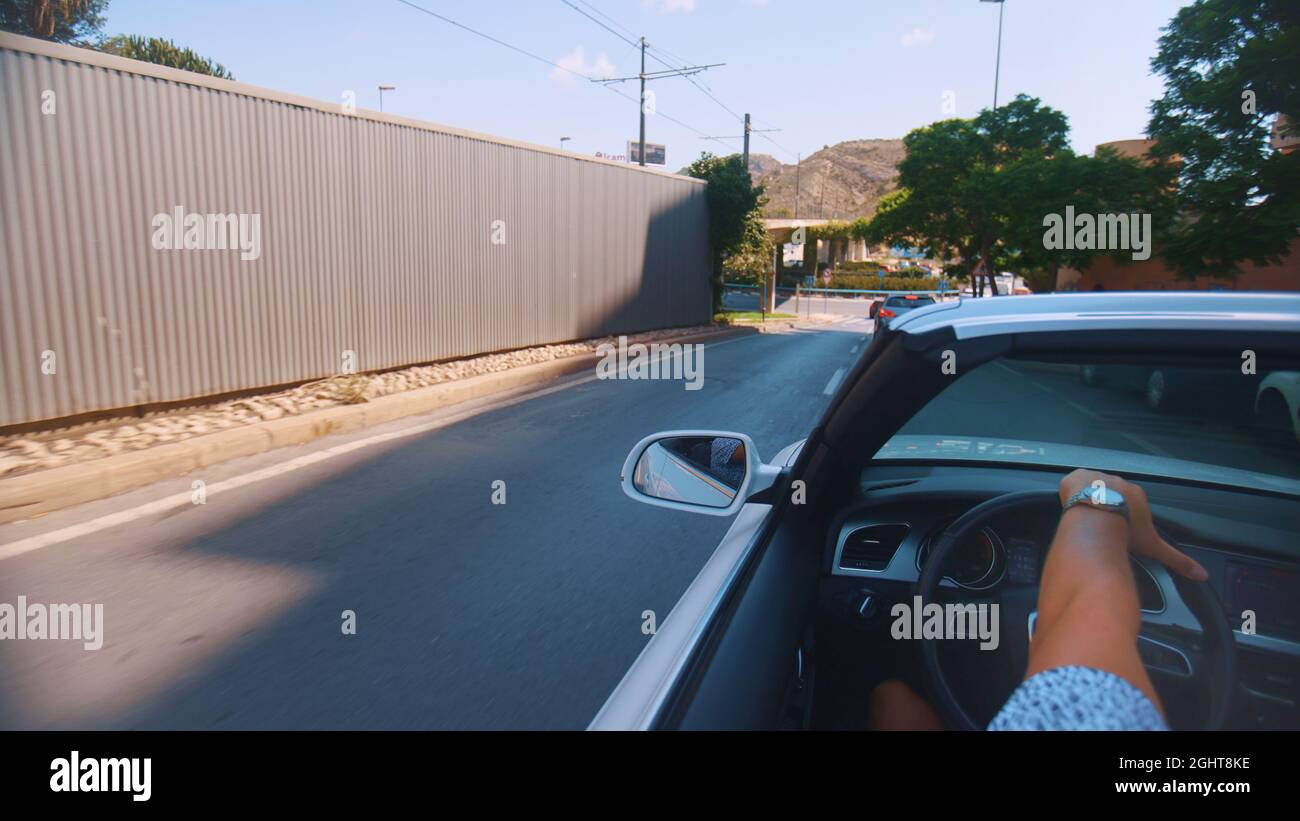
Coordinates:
(842, 181)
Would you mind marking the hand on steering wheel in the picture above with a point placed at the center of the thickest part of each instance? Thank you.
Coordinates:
(1143, 538)
(1018, 603)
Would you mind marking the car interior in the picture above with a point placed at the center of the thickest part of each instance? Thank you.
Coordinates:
(889, 483)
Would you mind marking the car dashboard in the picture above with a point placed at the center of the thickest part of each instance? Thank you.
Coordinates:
(878, 542)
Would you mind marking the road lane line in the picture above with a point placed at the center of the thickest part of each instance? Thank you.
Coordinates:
(1083, 409)
(835, 382)
(176, 500)
(1140, 441)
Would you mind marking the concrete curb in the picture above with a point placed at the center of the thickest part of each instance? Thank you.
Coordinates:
(35, 494)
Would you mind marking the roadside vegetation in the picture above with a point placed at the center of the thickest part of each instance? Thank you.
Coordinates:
(1220, 194)
(81, 23)
(732, 317)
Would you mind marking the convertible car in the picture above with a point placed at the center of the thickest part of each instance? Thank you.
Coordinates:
(934, 473)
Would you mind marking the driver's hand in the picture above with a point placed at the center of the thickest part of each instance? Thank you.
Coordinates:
(1142, 536)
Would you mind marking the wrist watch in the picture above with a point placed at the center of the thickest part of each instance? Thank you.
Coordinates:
(1102, 498)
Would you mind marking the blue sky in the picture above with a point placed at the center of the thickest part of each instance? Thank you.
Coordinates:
(823, 71)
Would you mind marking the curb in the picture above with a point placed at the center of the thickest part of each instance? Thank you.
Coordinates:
(35, 494)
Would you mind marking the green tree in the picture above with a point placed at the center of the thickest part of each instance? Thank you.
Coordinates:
(978, 191)
(734, 203)
(1232, 72)
(63, 21)
(752, 258)
(162, 52)
(1032, 187)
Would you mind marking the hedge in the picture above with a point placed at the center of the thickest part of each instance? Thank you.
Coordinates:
(871, 282)
(858, 266)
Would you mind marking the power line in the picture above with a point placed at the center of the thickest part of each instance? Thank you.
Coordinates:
(490, 38)
(645, 48)
(704, 89)
(653, 75)
(625, 29)
(630, 42)
(541, 59)
(708, 93)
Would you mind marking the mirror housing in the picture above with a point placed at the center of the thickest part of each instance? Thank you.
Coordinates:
(671, 469)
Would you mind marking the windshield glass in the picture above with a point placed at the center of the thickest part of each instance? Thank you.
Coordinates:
(1203, 424)
(905, 302)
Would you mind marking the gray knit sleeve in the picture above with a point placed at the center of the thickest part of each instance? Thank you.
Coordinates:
(1077, 698)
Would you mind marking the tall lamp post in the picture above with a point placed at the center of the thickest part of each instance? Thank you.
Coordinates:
(997, 66)
(997, 75)
(382, 89)
(564, 140)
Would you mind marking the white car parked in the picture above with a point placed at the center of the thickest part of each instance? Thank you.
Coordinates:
(1277, 402)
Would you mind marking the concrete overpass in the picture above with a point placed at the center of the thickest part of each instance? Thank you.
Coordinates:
(831, 250)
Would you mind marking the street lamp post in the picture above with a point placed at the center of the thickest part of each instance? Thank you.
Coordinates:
(997, 66)
(564, 140)
(997, 75)
(382, 89)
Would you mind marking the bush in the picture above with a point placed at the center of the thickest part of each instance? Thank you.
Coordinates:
(742, 277)
(859, 266)
(866, 282)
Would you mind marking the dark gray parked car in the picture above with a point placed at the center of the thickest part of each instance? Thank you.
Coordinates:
(896, 306)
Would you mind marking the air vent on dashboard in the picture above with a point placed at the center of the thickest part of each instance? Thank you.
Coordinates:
(871, 547)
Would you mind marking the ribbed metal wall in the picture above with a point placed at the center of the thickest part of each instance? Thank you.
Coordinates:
(376, 238)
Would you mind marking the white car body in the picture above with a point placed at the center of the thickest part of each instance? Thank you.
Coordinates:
(643, 695)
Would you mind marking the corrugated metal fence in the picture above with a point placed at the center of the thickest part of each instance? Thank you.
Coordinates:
(394, 239)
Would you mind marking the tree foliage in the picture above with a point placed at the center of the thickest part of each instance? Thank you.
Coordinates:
(81, 23)
(753, 256)
(978, 191)
(1231, 71)
(163, 53)
(63, 21)
(734, 202)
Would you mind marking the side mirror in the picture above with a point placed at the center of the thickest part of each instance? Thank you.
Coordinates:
(875, 309)
(699, 471)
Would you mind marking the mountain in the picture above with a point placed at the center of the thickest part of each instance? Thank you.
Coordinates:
(842, 181)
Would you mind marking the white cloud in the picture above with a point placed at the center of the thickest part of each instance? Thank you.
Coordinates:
(576, 60)
(670, 6)
(917, 37)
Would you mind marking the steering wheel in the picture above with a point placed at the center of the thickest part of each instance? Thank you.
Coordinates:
(1018, 602)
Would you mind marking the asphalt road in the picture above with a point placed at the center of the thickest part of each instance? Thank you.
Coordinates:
(468, 614)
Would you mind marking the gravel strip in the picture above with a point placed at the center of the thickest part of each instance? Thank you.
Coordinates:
(25, 453)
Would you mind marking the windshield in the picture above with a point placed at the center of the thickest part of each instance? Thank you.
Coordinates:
(1203, 424)
(908, 302)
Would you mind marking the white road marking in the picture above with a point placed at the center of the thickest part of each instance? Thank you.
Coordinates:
(835, 382)
(180, 499)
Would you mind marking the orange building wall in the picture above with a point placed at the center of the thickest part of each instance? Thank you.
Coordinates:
(1153, 275)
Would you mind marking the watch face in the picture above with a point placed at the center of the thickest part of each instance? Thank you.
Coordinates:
(1104, 497)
